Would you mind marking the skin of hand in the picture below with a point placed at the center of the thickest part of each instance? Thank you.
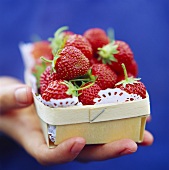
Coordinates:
(17, 112)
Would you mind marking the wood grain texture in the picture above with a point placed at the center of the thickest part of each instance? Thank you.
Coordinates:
(92, 113)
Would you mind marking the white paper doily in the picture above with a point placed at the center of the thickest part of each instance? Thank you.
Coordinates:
(115, 95)
(52, 132)
(74, 101)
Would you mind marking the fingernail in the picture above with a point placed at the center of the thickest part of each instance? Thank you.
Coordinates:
(126, 151)
(78, 146)
(21, 95)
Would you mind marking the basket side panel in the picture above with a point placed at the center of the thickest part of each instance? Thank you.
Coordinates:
(45, 131)
(101, 132)
(143, 124)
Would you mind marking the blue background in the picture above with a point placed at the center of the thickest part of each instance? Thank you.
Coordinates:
(144, 24)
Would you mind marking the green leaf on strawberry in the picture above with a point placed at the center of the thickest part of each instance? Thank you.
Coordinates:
(106, 53)
(38, 70)
(72, 90)
(58, 41)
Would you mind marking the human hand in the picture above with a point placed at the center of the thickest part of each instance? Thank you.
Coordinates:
(26, 130)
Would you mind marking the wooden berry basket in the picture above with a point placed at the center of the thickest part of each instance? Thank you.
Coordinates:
(98, 124)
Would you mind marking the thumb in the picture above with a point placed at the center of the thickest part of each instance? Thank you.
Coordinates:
(15, 96)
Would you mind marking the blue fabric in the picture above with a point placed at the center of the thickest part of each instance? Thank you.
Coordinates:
(144, 24)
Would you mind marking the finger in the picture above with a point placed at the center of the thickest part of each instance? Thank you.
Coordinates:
(147, 139)
(15, 96)
(149, 118)
(65, 152)
(108, 151)
(6, 80)
(25, 128)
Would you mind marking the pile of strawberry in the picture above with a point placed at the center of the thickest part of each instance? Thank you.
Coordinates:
(70, 64)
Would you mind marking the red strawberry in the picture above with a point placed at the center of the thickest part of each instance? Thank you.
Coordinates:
(132, 85)
(133, 68)
(59, 89)
(63, 38)
(106, 78)
(89, 94)
(97, 38)
(94, 60)
(81, 43)
(46, 77)
(71, 63)
(132, 71)
(67, 33)
(121, 77)
(42, 48)
(116, 53)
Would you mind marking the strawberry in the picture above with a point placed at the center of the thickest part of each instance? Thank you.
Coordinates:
(71, 63)
(94, 60)
(116, 53)
(42, 48)
(59, 89)
(97, 37)
(91, 40)
(132, 85)
(46, 77)
(133, 68)
(81, 43)
(63, 38)
(106, 78)
(121, 76)
(67, 33)
(132, 71)
(87, 95)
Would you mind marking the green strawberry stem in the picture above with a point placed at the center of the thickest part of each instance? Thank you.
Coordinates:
(88, 77)
(85, 87)
(106, 53)
(91, 77)
(60, 30)
(53, 62)
(58, 41)
(125, 71)
(46, 60)
(81, 79)
(127, 80)
(39, 70)
(73, 90)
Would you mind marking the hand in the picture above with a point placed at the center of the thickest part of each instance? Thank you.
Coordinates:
(18, 119)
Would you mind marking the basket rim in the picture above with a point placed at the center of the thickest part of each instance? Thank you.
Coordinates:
(92, 113)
